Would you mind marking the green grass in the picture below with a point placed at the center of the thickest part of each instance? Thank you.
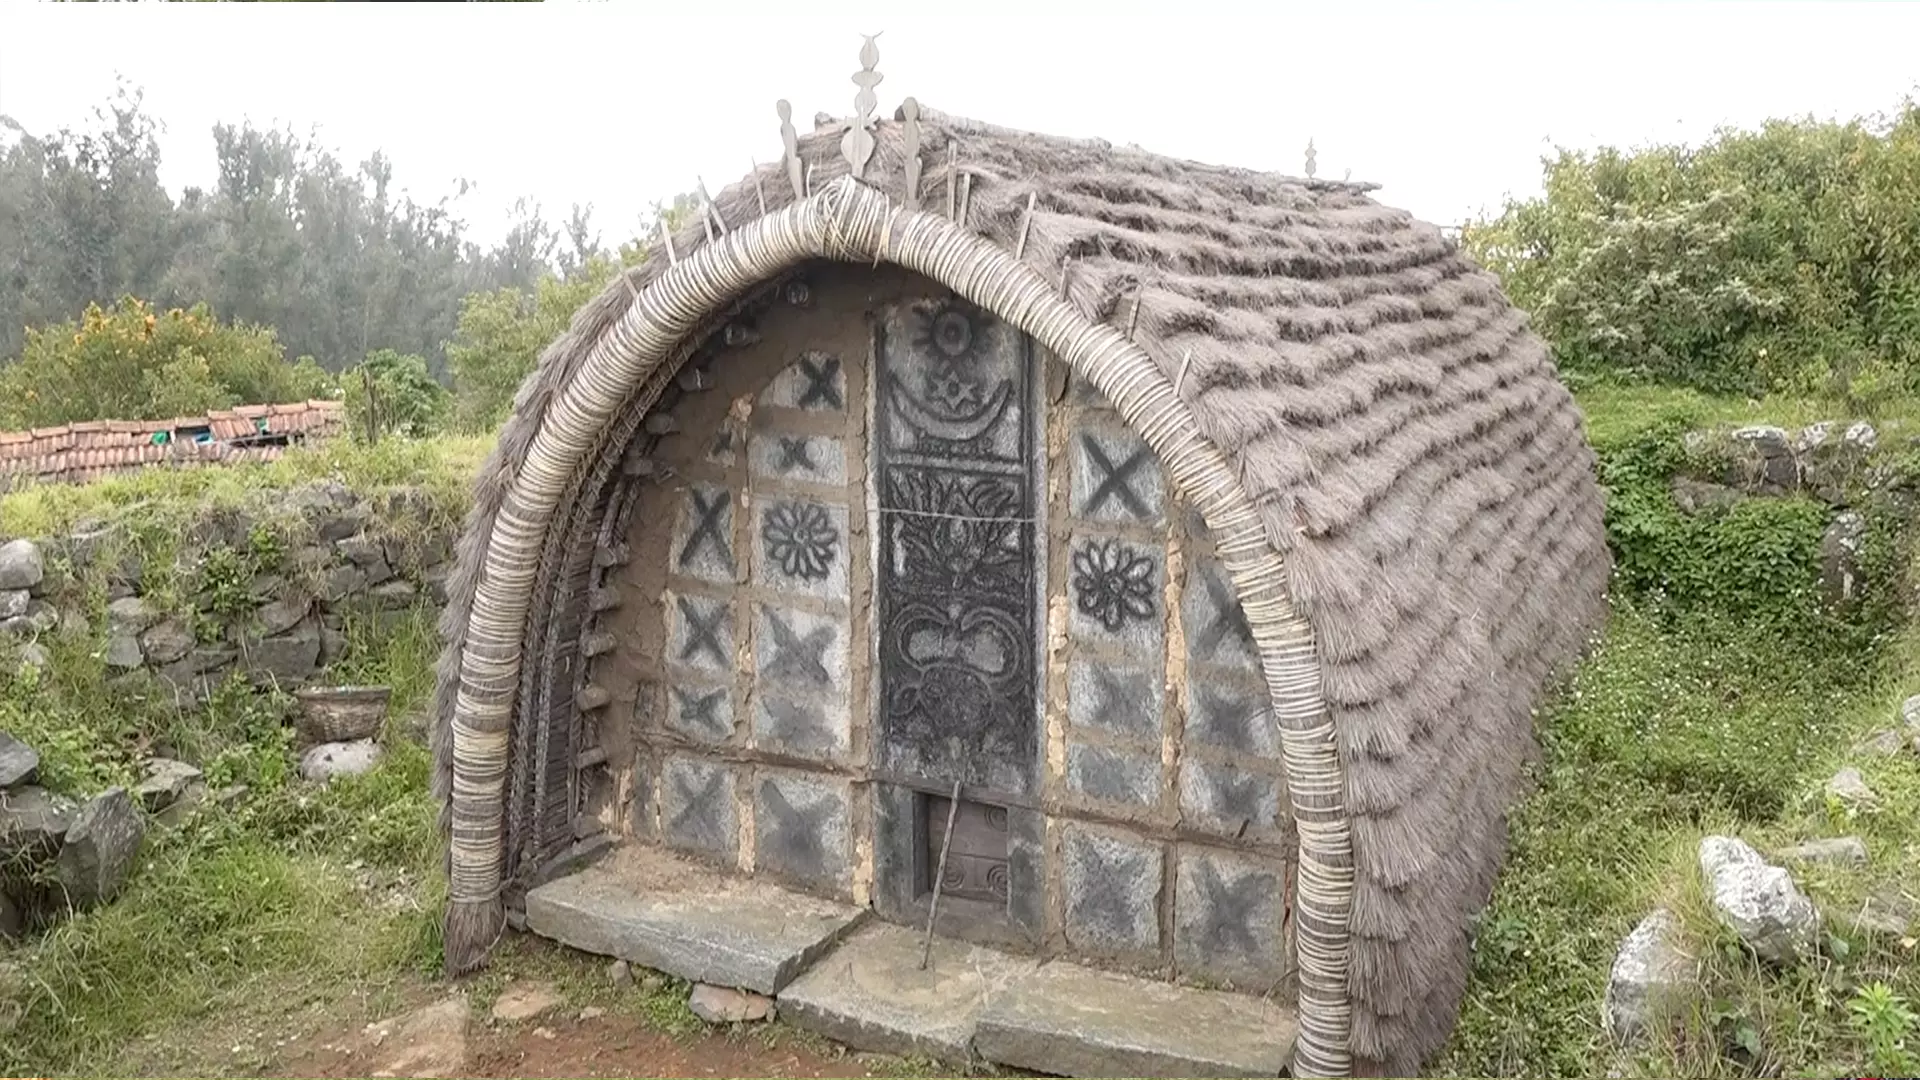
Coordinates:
(1719, 700)
(1663, 736)
(444, 466)
(1614, 410)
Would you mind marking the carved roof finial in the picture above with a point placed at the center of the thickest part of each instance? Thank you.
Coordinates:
(910, 138)
(790, 149)
(1313, 164)
(857, 144)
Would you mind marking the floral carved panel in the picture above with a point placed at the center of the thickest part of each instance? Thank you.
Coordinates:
(955, 463)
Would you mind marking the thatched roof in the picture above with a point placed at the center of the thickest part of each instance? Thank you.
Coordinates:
(1410, 450)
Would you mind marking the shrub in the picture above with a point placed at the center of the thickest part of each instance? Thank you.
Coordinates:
(405, 398)
(133, 362)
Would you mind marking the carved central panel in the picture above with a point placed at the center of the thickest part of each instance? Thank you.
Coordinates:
(956, 463)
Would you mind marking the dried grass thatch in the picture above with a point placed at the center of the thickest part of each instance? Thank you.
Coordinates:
(1391, 429)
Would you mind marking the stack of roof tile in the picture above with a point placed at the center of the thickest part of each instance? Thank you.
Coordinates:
(77, 453)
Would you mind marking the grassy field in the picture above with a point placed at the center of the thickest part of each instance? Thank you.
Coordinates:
(1725, 715)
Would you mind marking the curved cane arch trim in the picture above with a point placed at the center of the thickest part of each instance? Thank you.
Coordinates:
(849, 221)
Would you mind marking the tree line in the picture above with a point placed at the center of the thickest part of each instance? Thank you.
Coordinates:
(118, 299)
(1779, 260)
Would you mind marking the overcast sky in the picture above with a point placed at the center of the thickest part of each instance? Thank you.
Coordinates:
(1448, 106)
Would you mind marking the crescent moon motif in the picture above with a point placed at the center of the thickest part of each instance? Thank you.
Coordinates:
(962, 428)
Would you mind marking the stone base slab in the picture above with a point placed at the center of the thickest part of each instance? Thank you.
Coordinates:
(1075, 1021)
(871, 994)
(672, 914)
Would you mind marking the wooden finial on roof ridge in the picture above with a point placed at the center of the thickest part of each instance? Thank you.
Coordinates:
(857, 144)
(910, 138)
(1313, 165)
(790, 157)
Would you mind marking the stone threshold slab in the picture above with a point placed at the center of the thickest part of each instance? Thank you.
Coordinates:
(871, 994)
(659, 910)
(1070, 1020)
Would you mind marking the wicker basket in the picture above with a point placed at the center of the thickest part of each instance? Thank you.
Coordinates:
(340, 713)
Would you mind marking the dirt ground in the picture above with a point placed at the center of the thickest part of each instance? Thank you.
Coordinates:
(567, 1046)
(586, 1024)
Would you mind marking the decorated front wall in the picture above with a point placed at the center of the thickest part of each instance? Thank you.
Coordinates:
(889, 546)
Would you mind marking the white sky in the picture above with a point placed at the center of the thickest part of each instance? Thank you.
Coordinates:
(1449, 106)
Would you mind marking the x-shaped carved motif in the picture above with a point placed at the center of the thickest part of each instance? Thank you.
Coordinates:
(796, 453)
(1116, 481)
(707, 511)
(803, 727)
(1122, 704)
(1229, 621)
(702, 709)
(794, 831)
(1228, 720)
(796, 655)
(1233, 907)
(822, 373)
(694, 800)
(703, 631)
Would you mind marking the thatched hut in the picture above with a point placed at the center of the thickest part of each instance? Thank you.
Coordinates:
(1209, 533)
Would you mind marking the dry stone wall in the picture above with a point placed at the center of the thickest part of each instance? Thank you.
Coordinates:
(269, 591)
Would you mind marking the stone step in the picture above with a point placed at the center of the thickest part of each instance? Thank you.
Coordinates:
(653, 908)
(871, 994)
(1070, 1020)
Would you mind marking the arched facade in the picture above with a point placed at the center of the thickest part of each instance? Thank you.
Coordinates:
(755, 450)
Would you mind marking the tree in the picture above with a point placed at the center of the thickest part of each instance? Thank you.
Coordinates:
(133, 362)
(288, 236)
(501, 334)
(1786, 258)
(405, 399)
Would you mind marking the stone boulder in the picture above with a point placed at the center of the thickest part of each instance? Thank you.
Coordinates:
(287, 658)
(100, 849)
(394, 595)
(1840, 548)
(33, 821)
(19, 763)
(130, 615)
(166, 781)
(167, 641)
(1910, 721)
(33, 655)
(1886, 913)
(13, 603)
(1650, 974)
(21, 566)
(524, 1001)
(725, 1005)
(1767, 464)
(1838, 851)
(430, 1041)
(123, 651)
(1849, 786)
(328, 760)
(330, 507)
(1886, 743)
(283, 612)
(1758, 900)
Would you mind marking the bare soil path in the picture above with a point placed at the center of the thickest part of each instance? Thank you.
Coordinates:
(588, 1025)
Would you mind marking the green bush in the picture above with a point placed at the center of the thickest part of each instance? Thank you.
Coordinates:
(405, 398)
(132, 362)
(1780, 260)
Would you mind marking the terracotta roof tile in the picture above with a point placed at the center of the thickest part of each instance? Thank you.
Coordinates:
(80, 452)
